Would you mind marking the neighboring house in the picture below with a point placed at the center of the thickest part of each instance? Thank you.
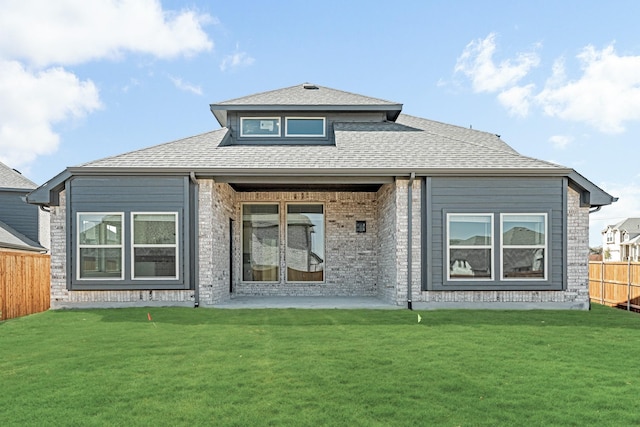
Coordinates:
(313, 191)
(23, 227)
(621, 241)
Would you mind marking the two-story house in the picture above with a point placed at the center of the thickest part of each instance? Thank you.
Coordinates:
(621, 241)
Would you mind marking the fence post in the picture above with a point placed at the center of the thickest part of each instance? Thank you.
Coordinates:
(628, 283)
(602, 282)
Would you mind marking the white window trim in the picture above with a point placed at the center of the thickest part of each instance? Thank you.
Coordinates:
(286, 243)
(79, 246)
(610, 238)
(242, 205)
(242, 134)
(298, 135)
(164, 245)
(545, 247)
(490, 247)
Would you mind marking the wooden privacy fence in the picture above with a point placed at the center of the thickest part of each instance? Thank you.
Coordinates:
(615, 284)
(24, 284)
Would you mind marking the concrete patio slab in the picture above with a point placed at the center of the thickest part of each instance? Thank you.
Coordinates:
(307, 302)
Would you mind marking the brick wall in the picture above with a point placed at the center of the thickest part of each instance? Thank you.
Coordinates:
(216, 208)
(351, 258)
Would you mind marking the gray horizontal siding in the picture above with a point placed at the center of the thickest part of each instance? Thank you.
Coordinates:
(127, 195)
(19, 215)
(494, 195)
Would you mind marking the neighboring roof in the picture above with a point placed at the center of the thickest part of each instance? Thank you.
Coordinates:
(632, 225)
(12, 239)
(302, 97)
(11, 178)
(633, 241)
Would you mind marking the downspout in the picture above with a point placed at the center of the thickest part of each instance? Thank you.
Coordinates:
(194, 239)
(409, 238)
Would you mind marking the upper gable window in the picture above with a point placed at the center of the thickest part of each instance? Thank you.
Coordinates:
(260, 126)
(305, 126)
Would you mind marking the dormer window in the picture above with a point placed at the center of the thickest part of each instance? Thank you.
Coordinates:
(260, 127)
(305, 127)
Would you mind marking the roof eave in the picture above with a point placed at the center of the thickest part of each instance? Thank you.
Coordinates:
(592, 195)
(220, 110)
(301, 172)
(45, 194)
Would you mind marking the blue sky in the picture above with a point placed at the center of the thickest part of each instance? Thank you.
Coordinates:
(558, 80)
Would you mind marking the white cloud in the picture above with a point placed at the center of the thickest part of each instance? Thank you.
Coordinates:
(476, 62)
(605, 96)
(236, 60)
(561, 141)
(77, 31)
(187, 87)
(47, 35)
(32, 102)
(517, 99)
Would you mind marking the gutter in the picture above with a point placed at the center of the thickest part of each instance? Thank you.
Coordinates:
(194, 239)
(409, 238)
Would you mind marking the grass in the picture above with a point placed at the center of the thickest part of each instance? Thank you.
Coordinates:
(320, 367)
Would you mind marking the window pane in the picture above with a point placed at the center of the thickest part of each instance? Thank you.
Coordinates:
(154, 262)
(466, 263)
(100, 229)
(305, 243)
(523, 263)
(268, 126)
(154, 229)
(260, 237)
(100, 263)
(523, 230)
(470, 230)
(305, 127)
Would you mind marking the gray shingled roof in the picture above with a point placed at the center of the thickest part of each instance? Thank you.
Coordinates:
(10, 178)
(12, 239)
(305, 97)
(376, 148)
(299, 96)
(632, 225)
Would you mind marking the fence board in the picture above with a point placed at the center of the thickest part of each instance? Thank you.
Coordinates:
(615, 284)
(24, 284)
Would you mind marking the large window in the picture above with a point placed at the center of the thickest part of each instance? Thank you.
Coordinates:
(260, 126)
(524, 246)
(155, 245)
(470, 246)
(100, 249)
(260, 243)
(305, 126)
(472, 242)
(305, 243)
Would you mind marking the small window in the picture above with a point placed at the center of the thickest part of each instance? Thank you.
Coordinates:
(470, 246)
(305, 243)
(610, 236)
(100, 246)
(305, 126)
(524, 246)
(259, 126)
(155, 245)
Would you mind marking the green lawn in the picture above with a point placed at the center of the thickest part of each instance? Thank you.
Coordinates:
(320, 367)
